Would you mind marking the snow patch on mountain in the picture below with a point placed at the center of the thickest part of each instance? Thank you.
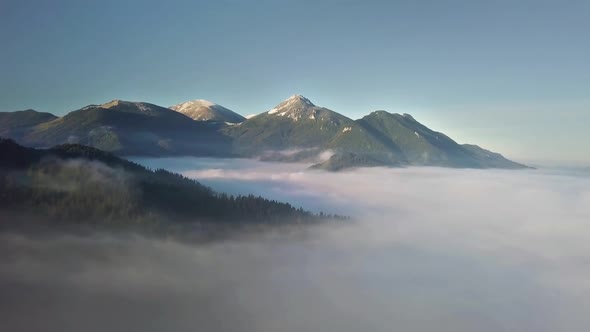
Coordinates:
(204, 110)
(142, 107)
(186, 106)
(294, 107)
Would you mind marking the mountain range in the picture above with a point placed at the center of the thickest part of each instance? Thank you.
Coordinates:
(294, 130)
(122, 127)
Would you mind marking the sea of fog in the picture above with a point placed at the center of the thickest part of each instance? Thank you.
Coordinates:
(430, 249)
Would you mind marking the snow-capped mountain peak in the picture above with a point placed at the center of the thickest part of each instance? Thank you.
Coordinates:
(192, 104)
(300, 98)
(293, 107)
(204, 110)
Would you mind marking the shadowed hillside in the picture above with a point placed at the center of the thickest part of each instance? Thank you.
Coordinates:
(82, 185)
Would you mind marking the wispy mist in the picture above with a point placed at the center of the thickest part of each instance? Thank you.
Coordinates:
(430, 250)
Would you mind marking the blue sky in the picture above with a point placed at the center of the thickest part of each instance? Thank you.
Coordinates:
(513, 76)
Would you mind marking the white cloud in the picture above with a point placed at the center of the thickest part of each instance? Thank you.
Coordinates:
(431, 249)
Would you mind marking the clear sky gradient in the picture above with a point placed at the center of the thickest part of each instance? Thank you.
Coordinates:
(512, 76)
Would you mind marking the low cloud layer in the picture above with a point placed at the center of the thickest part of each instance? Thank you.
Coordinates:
(431, 250)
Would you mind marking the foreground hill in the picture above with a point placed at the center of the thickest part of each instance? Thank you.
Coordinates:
(294, 130)
(203, 110)
(79, 184)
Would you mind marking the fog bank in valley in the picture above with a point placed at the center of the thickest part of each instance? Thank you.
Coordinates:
(430, 250)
